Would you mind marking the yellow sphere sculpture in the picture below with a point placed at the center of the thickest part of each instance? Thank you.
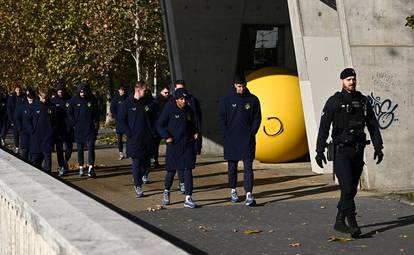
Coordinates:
(282, 133)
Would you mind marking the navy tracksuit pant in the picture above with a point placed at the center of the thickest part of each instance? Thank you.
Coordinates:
(248, 174)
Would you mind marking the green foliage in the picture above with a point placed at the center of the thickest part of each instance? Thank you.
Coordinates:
(410, 22)
(46, 41)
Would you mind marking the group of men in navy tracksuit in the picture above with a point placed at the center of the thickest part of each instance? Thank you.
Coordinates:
(177, 120)
(42, 122)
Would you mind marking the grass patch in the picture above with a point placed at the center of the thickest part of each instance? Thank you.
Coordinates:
(109, 139)
(409, 196)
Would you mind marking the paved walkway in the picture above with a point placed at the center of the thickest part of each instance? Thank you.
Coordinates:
(295, 212)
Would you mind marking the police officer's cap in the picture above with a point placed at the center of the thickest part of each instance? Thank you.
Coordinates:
(179, 93)
(347, 72)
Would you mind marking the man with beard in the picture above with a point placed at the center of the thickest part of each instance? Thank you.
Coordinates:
(162, 98)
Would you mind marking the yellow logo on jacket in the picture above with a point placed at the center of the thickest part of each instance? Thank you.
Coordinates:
(247, 106)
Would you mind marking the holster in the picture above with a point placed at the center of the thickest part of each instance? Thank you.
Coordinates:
(330, 155)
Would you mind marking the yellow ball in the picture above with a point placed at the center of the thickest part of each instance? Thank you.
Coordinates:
(282, 133)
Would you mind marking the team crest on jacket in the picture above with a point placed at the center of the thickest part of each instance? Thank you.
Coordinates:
(247, 106)
(146, 108)
(134, 109)
(38, 111)
(177, 116)
(67, 105)
(49, 111)
(78, 105)
(89, 104)
(233, 105)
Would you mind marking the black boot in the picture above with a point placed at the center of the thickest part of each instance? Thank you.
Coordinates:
(340, 224)
(354, 230)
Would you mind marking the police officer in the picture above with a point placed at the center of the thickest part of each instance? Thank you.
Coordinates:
(349, 112)
(178, 126)
(239, 119)
(43, 127)
(134, 122)
(194, 104)
(15, 99)
(22, 116)
(64, 136)
(162, 98)
(84, 117)
(3, 117)
(116, 102)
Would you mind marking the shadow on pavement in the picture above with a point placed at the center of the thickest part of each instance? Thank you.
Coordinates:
(388, 225)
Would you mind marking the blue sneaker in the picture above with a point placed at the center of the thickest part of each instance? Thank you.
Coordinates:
(182, 188)
(62, 171)
(91, 172)
(189, 203)
(250, 200)
(81, 173)
(166, 197)
(139, 192)
(233, 197)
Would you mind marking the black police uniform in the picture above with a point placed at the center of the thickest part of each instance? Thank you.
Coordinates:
(349, 113)
(64, 136)
(3, 117)
(239, 120)
(181, 126)
(12, 102)
(116, 102)
(43, 135)
(84, 117)
(135, 124)
(160, 102)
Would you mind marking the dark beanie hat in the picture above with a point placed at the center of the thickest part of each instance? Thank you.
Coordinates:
(179, 93)
(347, 72)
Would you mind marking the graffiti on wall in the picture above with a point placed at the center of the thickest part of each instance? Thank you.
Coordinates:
(384, 110)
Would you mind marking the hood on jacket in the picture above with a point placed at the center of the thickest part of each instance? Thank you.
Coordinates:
(85, 88)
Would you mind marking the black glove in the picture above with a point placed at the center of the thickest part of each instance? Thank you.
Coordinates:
(378, 154)
(320, 157)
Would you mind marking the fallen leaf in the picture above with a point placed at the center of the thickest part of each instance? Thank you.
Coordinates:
(155, 208)
(252, 231)
(235, 230)
(204, 228)
(403, 236)
(271, 231)
(323, 207)
(402, 250)
(297, 244)
(339, 239)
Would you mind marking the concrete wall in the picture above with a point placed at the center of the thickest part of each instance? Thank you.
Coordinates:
(381, 49)
(41, 215)
(316, 33)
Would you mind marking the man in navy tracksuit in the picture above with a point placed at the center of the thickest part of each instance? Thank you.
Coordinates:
(22, 117)
(84, 117)
(135, 124)
(3, 117)
(151, 108)
(15, 99)
(115, 105)
(64, 137)
(43, 126)
(178, 126)
(162, 98)
(239, 119)
(194, 104)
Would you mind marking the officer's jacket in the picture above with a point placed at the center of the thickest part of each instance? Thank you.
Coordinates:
(239, 120)
(64, 125)
(84, 116)
(349, 113)
(115, 105)
(134, 122)
(12, 102)
(22, 116)
(181, 126)
(43, 127)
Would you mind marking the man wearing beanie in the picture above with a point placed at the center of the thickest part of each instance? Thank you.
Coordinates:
(349, 112)
(239, 120)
